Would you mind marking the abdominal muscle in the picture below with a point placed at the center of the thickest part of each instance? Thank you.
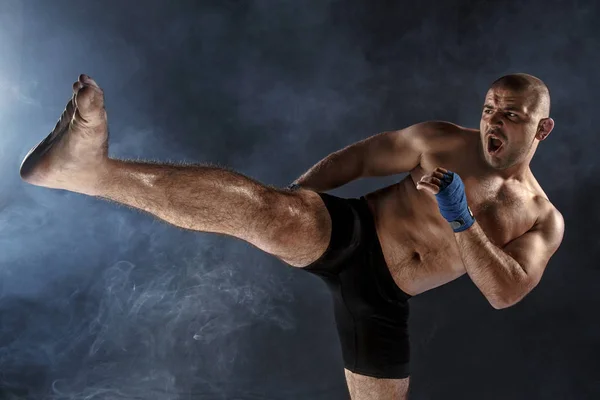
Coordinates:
(417, 242)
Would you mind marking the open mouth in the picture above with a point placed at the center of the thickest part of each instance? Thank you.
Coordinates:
(494, 145)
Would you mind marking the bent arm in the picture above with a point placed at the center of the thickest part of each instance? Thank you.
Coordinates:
(384, 154)
(506, 275)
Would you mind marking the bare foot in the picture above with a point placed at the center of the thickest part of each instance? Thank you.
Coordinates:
(75, 154)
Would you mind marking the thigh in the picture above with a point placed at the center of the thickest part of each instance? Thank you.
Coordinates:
(362, 387)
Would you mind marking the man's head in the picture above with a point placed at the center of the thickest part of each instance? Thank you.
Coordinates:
(515, 118)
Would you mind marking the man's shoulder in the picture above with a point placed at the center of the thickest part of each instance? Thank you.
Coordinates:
(548, 215)
(443, 129)
(546, 210)
(444, 135)
(550, 221)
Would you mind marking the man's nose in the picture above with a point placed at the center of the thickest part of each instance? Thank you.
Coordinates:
(495, 119)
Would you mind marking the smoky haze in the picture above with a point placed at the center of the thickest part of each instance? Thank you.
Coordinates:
(99, 301)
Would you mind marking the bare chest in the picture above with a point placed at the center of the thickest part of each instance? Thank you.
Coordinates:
(503, 211)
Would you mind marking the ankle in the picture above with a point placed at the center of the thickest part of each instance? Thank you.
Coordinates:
(97, 182)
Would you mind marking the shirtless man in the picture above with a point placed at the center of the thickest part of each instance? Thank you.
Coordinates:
(483, 213)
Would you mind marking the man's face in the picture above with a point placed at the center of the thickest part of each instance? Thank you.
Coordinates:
(508, 127)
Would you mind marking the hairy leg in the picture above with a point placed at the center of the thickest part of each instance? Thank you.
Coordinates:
(294, 226)
(363, 387)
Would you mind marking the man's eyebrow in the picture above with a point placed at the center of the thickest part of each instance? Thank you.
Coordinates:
(513, 108)
(507, 108)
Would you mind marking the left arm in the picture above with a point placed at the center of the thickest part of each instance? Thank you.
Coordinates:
(506, 275)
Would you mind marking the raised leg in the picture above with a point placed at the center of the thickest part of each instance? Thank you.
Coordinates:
(293, 226)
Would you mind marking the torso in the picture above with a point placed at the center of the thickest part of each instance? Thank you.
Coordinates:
(418, 244)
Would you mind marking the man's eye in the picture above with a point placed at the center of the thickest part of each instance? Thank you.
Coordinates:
(512, 115)
(487, 111)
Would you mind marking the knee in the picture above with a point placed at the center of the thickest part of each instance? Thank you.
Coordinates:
(302, 225)
(300, 213)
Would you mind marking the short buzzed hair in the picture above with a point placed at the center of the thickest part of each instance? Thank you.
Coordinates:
(534, 87)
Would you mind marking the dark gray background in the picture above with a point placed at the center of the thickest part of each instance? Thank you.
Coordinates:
(98, 301)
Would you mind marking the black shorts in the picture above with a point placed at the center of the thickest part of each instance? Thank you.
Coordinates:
(371, 311)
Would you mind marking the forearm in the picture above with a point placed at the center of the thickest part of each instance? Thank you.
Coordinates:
(497, 275)
(333, 171)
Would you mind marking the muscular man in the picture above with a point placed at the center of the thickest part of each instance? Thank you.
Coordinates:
(470, 203)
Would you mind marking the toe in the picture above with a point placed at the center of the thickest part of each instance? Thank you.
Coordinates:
(89, 98)
(86, 79)
(76, 86)
(89, 105)
(69, 111)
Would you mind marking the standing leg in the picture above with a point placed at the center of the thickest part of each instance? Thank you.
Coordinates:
(363, 387)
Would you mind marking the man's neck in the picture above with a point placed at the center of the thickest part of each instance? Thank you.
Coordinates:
(518, 172)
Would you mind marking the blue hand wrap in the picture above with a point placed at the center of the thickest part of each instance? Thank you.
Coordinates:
(452, 202)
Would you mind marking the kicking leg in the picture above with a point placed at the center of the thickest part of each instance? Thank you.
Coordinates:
(293, 226)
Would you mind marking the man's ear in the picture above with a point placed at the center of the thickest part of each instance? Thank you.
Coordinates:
(544, 128)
